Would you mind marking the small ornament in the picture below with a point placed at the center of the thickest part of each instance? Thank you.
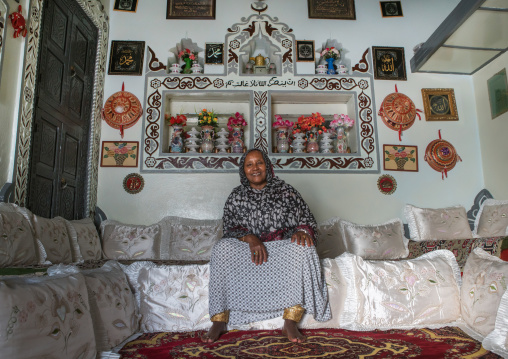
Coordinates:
(133, 183)
(18, 23)
(122, 110)
(441, 156)
(386, 184)
(398, 112)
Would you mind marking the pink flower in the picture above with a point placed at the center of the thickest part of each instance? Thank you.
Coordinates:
(192, 57)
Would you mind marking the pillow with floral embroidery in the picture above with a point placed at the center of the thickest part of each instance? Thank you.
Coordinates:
(56, 245)
(330, 243)
(484, 282)
(404, 294)
(83, 232)
(46, 317)
(492, 219)
(174, 298)
(380, 241)
(17, 243)
(130, 242)
(191, 239)
(112, 304)
(428, 224)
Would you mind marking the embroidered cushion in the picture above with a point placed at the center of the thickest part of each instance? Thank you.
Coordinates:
(497, 340)
(17, 244)
(55, 243)
(124, 241)
(174, 298)
(484, 283)
(492, 219)
(381, 241)
(191, 239)
(84, 233)
(46, 317)
(330, 243)
(427, 224)
(401, 294)
(112, 304)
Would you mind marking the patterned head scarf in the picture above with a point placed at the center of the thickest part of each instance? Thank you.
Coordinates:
(269, 168)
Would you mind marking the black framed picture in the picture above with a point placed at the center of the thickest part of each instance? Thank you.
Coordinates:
(335, 9)
(126, 58)
(191, 9)
(391, 8)
(125, 5)
(214, 53)
(389, 63)
(305, 51)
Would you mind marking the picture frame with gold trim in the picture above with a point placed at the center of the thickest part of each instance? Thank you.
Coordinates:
(439, 105)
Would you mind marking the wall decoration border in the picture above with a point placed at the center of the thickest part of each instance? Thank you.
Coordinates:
(94, 9)
(280, 39)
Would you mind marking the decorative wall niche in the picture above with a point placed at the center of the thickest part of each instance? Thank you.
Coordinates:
(259, 98)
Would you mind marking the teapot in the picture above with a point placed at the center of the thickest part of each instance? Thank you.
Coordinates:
(262, 61)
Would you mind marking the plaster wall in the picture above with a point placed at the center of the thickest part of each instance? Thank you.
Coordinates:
(10, 92)
(354, 197)
(493, 144)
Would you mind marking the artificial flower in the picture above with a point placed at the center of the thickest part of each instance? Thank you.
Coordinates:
(341, 120)
(281, 123)
(207, 118)
(237, 120)
(180, 120)
(330, 53)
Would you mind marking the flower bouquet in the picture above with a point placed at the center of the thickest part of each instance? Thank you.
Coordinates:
(207, 118)
(305, 124)
(187, 56)
(180, 120)
(281, 123)
(236, 120)
(330, 53)
(341, 121)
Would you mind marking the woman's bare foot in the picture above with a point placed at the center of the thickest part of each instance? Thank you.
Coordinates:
(291, 331)
(215, 331)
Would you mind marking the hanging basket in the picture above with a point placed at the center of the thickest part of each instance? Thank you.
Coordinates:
(398, 112)
(122, 110)
(441, 156)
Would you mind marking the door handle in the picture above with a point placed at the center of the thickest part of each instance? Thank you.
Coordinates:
(63, 183)
(73, 71)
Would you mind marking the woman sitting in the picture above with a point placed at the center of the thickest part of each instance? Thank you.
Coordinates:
(266, 264)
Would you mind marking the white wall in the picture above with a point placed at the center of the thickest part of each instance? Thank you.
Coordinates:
(494, 146)
(351, 196)
(10, 88)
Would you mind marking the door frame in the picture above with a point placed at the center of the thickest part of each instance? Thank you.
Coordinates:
(95, 11)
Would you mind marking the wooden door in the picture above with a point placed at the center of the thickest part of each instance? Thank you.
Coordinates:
(63, 110)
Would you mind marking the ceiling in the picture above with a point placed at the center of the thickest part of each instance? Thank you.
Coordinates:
(474, 34)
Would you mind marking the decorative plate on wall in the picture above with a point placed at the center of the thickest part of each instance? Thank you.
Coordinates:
(386, 184)
(122, 110)
(398, 112)
(441, 156)
(133, 183)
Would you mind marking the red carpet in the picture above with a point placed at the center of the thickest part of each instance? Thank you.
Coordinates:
(321, 343)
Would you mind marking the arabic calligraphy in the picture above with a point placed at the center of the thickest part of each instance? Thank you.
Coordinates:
(190, 8)
(261, 83)
(439, 105)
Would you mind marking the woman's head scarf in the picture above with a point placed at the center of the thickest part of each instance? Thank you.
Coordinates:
(269, 168)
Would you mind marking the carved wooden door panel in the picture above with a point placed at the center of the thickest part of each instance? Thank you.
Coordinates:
(58, 169)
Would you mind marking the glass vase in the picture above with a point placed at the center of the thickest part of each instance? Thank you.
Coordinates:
(237, 144)
(341, 141)
(282, 139)
(207, 135)
(312, 140)
(176, 139)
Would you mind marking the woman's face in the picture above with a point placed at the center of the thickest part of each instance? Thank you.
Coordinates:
(255, 169)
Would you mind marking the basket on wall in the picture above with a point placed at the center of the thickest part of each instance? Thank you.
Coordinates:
(441, 156)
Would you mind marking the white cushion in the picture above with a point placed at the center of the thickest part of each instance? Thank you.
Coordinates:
(483, 284)
(492, 219)
(84, 233)
(17, 244)
(46, 317)
(174, 298)
(126, 241)
(379, 241)
(191, 239)
(330, 243)
(405, 294)
(55, 243)
(113, 307)
(428, 224)
(497, 340)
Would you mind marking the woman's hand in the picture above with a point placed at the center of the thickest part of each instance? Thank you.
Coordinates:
(302, 238)
(257, 249)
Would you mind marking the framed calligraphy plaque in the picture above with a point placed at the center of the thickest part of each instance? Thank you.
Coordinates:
(191, 9)
(125, 5)
(126, 58)
(439, 105)
(389, 63)
(498, 93)
(305, 51)
(214, 53)
(332, 9)
(391, 8)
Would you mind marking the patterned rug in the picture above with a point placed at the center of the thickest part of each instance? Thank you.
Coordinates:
(447, 342)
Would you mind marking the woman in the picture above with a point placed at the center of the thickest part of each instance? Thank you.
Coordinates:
(266, 264)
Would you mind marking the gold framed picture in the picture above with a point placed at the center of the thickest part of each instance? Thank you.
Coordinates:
(439, 105)
(335, 9)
